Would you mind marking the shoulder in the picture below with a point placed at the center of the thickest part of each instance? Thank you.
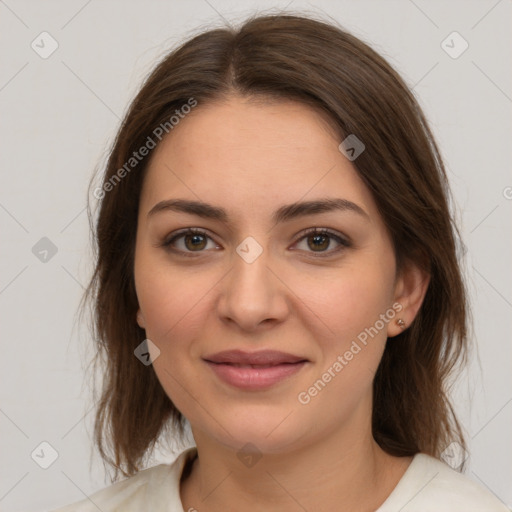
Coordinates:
(155, 489)
(430, 484)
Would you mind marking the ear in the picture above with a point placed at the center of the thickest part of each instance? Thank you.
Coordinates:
(140, 319)
(410, 290)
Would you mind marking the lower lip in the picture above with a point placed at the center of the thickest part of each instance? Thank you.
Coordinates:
(254, 378)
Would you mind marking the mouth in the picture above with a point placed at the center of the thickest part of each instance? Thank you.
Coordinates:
(256, 370)
(260, 358)
(237, 365)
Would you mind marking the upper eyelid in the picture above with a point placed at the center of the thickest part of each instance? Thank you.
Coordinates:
(186, 231)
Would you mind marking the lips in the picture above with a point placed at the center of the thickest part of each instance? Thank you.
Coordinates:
(254, 370)
(263, 358)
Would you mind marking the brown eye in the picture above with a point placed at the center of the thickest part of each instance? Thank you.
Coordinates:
(319, 241)
(188, 241)
(195, 242)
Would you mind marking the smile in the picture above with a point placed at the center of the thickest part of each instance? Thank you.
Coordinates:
(254, 377)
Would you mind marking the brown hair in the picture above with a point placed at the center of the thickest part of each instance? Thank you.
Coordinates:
(313, 62)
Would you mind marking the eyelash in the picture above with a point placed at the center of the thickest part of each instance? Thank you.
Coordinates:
(344, 243)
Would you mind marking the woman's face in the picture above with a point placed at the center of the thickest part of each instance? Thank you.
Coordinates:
(255, 280)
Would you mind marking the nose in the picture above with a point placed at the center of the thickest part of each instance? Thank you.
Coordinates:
(253, 297)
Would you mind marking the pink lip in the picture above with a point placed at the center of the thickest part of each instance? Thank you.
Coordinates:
(256, 370)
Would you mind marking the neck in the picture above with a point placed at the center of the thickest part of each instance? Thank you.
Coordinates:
(356, 476)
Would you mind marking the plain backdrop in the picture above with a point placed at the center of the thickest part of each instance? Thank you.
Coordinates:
(59, 114)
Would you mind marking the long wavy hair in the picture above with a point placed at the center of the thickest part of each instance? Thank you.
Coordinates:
(317, 63)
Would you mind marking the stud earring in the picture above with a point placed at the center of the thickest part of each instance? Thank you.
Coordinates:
(400, 323)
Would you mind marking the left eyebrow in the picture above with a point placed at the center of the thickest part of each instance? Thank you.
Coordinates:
(295, 210)
(282, 214)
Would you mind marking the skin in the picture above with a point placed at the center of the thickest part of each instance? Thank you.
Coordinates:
(251, 157)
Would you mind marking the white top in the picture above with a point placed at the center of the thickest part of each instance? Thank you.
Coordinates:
(427, 485)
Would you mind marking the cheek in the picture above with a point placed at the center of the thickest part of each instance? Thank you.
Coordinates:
(349, 357)
(171, 303)
(349, 308)
(174, 307)
(349, 300)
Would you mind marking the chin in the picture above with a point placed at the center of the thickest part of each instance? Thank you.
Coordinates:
(270, 431)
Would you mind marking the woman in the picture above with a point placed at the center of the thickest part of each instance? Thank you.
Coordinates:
(277, 264)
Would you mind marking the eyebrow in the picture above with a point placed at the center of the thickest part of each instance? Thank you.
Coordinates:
(282, 214)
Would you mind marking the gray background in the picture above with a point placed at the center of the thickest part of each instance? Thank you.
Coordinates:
(58, 118)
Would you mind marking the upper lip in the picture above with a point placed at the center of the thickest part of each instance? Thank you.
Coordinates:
(261, 357)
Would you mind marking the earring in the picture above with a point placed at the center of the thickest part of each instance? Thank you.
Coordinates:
(400, 323)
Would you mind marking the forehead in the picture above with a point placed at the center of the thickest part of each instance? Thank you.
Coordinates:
(252, 154)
